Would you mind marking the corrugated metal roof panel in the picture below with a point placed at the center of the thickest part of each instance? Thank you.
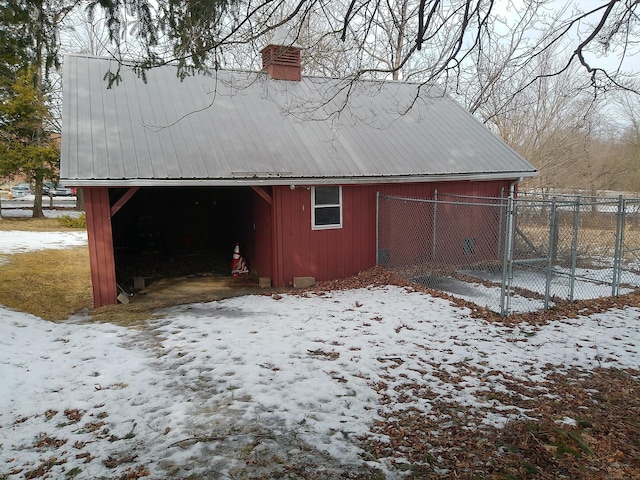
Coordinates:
(239, 125)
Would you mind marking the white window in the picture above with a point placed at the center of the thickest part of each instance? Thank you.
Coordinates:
(326, 211)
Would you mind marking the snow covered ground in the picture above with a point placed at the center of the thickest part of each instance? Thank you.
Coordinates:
(247, 386)
(21, 242)
(589, 284)
(49, 213)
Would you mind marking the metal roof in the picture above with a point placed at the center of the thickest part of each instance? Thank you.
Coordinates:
(233, 128)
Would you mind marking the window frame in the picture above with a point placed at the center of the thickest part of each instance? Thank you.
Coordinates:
(314, 206)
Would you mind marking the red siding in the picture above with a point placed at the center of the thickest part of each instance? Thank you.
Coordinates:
(263, 234)
(101, 255)
(336, 253)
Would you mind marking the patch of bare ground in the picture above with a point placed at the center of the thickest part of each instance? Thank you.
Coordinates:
(259, 454)
(169, 292)
(586, 427)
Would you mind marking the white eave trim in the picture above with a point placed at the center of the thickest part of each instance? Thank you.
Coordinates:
(257, 181)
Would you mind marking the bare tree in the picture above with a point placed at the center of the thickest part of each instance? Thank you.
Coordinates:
(82, 33)
(550, 125)
(576, 142)
(441, 35)
(628, 142)
(611, 158)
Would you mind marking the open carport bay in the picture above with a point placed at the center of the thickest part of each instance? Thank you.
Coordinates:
(176, 232)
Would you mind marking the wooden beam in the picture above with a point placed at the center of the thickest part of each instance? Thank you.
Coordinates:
(124, 199)
(262, 192)
(101, 257)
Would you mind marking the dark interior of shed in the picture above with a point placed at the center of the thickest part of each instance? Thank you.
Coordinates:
(180, 231)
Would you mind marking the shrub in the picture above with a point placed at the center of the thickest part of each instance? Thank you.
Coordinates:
(73, 222)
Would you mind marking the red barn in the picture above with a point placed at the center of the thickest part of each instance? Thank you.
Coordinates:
(175, 172)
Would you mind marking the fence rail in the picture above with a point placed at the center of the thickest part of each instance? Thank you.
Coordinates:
(513, 255)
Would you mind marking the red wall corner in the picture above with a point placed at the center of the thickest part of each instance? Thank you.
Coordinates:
(101, 254)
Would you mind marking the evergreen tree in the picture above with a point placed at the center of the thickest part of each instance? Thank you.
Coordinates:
(26, 145)
(13, 43)
(29, 46)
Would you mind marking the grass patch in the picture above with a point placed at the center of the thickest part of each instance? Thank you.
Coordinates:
(52, 284)
(30, 224)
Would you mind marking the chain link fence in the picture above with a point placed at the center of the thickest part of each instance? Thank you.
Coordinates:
(513, 255)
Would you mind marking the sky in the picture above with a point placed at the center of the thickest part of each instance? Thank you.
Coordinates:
(205, 388)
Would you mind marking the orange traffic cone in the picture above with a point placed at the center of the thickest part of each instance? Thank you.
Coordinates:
(238, 264)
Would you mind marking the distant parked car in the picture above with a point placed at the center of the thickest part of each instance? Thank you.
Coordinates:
(63, 191)
(21, 190)
(50, 188)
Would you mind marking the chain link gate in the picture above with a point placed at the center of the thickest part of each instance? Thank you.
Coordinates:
(512, 255)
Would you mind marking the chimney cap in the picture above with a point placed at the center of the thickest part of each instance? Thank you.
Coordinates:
(281, 57)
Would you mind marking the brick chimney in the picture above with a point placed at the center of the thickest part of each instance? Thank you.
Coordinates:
(281, 58)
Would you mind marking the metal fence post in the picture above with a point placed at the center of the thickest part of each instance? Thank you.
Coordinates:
(435, 223)
(501, 220)
(623, 225)
(552, 250)
(378, 228)
(617, 256)
(501, 211)
(507, 260)
(574, 248)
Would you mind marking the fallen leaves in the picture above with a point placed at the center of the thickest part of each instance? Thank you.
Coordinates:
(74, 415)
(380, 277)
(135, 472)
(85, 456)
(586, 426)
(45, 441)
(61, 458)
(332, 355)
(49, 414)
(113, 462)
(93, 426)
(45, 466)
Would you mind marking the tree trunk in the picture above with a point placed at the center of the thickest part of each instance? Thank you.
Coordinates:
(80, 199)
(40, 140)
(37, 203)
